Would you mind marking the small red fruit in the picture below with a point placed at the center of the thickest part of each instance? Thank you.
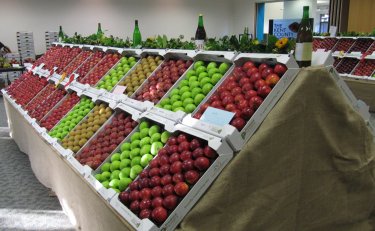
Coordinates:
(181, 189)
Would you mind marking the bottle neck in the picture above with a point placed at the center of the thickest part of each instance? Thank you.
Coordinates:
(305, 13)
(60, 28)
(136, 23)
(99, 27)
(200, 21)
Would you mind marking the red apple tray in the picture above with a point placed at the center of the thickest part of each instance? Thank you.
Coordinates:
(324, 43)
(50, 102)
(365, 67)
(172, 197)
(67, 57)
(347, 65)
(40, 97)
(361, 45)
(163, 73)
(77, 62)
(371, 49)
(62, 108)
(336, 61)
(103, 144)
(89, 64)
(101, 68)
(343, 45)
(49, 55)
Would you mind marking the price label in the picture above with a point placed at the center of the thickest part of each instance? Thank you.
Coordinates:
(119, 90)
(217, 116)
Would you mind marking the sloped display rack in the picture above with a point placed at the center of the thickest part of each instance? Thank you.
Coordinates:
(145, 154)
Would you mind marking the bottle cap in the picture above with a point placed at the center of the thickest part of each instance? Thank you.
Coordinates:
(200, 14)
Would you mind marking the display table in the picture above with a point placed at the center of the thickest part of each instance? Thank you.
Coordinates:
(310, 166)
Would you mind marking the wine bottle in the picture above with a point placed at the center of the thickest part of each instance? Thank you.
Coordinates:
(99, 33)
(200, 34)
(61, 35)
(303, 52)
(245, 36)
(137, 38)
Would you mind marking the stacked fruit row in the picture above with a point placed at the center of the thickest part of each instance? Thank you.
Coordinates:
(346, 65)
(50, 54)
(72, 118)
(48, 104)
(168, 178)
(141, 72)
(76, 63)
(361, 45)
(103, 67)
(133, 155)
(327, 43)
(66, 57)
(27, 90)
(106, 140)
(244, 90)
(55, 57)
(117, 73)
(343, 45)
(89, 64)
(162, 80)
(40, 98)
(197, 83)
(59, 112)
(365, 68)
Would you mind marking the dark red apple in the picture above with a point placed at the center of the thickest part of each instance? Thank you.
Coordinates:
(192, 176)
(159, 214)
(238, 123)
(157, 191)
(170, 202)
(279, 69)
(181, 189)
(202, 163)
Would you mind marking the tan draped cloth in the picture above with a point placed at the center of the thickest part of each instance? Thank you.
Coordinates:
(310, 166)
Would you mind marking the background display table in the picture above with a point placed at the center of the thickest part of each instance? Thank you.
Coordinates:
(310, 166)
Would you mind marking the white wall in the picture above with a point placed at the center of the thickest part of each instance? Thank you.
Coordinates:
(170, 17)
(294, 9)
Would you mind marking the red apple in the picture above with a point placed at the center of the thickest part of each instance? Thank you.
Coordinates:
(202, 163)
(238, 123)
(192, 176)
(168, 190)
(159, 214)
(280, 69)
(157, 201)
(156, 191)
(170, 202)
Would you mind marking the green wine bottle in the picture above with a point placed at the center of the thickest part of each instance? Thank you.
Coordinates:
(137, 37)
(200, 34)
(303, 52)
(61, 35)
(99, 32)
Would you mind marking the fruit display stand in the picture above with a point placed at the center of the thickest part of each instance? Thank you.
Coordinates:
(268, 171)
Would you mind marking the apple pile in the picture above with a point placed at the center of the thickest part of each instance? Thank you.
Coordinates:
(336, 61)
(361, 45)
(48, 104)
(76, 63)
(116, 74)
(371, 49)
(106, 141)
(168, 178)
(141, 72)
(347, 65)
(87, 127)
(191, 91)
(89, 64)
(40, 98)
(135, 155)
(50, 55)
(343, 44)
(162, 80)
(68, 103)
(327, 44)
(244, 90)
(365, 68)
(23, 77)
(72, 118)
(66, 57)
(98, 71)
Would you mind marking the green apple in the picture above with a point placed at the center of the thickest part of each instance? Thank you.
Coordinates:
(175, 98)
(207, 88)
(223, 68)
(135, 170)
(124, 183)
(144, 141)
(135, 144)
(144, 124)
(164, 101)
(211, 65)
(136, 161)
(168, 107)
(198, 64)
(145, 149)
(193, 78)
(165, 136)
(125, 172)
(186, 95)
(183, 82)
(196, 91)
(183, 90)
(143, 133)
(198, 98)
(190, 108)
(105, 184)
(204, 81)
(153, 129)
(179, 109)
(135, 136)
(106, 175)
(155, 137)
(177, 104)
(187, 101)
(115, 165)
(146, 159)
(135, 152)
(190, 73)
(193, 84)
(174, 92)
(125, 146)
(114, 183)
(115, 174)
(201, 69)
(213, 71)
(125, 155)
(115, 156)
(202, 75)
(99, 177)
(155, 147)
(216, 78)
(125, 163)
